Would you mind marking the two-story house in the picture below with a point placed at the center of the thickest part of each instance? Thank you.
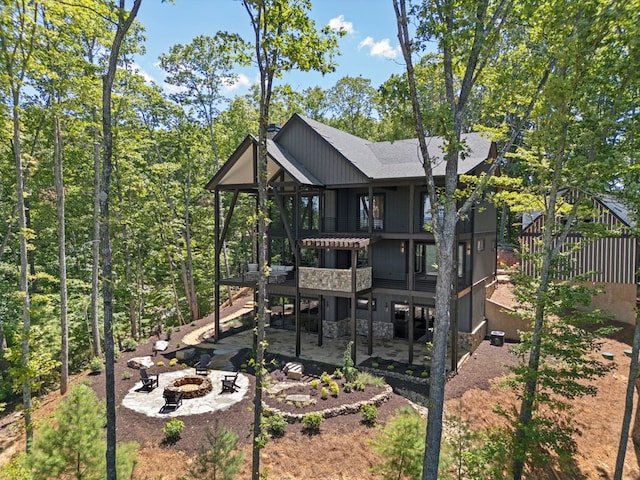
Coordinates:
(350, 251)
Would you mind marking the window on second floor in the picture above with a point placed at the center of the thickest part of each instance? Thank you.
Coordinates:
(376, 211)
(310, 212)
(426, 259)
(427, 217)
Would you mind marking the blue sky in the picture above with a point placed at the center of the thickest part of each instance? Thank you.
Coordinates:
(370, 47)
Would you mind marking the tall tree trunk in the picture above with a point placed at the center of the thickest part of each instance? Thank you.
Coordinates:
(24, 268)
(95, 264)
(62, 255)
(193, 306)
(632, 381)
(124, 22)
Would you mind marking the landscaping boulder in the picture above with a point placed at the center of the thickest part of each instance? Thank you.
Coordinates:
(294, 370)
(160, 346)
(186, 353)
(140, 362)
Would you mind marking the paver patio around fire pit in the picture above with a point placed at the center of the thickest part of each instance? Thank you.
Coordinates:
(151, 403)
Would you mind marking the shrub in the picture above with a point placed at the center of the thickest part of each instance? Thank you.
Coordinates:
(375, 364)
(334, 389)
(173, 361)
(347, 388)
(408, 371)
(315, 383)
(325, 378)
(348, 368)
(160, 363)
(183, 365)
(126, 375)
(369, 414)
(312, 422)
(169, 332)
(129, 344)
(172, 430)
(390, 367)
(95, 365)
(275, 425)
(324, 394)
(400, 445)
(337, 374)
(425, 374)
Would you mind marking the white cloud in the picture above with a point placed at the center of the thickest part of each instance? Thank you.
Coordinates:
(338, 23)
(168, 88)
(380, 49)
(240, 81)
(138, 69)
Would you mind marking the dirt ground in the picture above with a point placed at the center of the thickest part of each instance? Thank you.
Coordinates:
(341, 451)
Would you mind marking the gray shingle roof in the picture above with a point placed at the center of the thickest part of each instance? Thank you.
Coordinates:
(402, 158)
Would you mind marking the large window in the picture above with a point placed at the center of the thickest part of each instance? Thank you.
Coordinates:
(426, 259)
(275, 216)
(376, 211)
(426, 262)
(427, 217)
(310, 212)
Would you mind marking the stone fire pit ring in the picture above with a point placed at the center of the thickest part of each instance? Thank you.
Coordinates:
(191, 386)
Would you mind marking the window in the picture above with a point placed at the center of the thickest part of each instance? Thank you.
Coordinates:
(426, 259)
(377, 211)
(362, 303)
(276, 222)
(480, 245)
(427, 217)
(310, 212)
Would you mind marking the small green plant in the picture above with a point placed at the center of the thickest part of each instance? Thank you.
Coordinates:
(95, 365)
(274, 425)
(177, 329)
(369, 414)
(408, 371)
(221, 460)
(375, 364)
(349, 370)
(168, 333)
(126, 375)
(424, 374)
(391, 366)
(367, 378)
(173, 361)
(160, 363)
(312, 422)
(172, 430)
(347, 387)
(129, 344)
(337, 374)
(315, 383)
(324, 393)
(325, 378)
(334, 389)
(177, 344)
(183, 365)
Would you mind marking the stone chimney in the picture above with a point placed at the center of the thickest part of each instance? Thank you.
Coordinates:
(272, 130)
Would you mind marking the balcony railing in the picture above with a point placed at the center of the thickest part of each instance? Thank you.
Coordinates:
(334, 279)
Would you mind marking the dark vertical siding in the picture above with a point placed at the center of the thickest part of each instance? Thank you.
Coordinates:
(317, 156)
(611, 259)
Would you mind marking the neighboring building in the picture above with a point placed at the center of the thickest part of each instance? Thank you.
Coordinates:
(613, 259)
(339, 201)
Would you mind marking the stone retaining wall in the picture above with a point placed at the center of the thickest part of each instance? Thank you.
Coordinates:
(346, 409)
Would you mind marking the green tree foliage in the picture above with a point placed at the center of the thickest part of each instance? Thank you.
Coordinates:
(221, 461)
(401, 445)
(73, 442)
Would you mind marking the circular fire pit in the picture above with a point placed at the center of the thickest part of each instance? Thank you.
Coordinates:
(191, 386)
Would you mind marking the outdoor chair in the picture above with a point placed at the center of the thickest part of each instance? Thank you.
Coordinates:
(229, 383)
(202, 367)
(172, 400)
(149, 382)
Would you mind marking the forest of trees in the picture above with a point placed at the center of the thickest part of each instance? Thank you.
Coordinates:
(555, 83)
